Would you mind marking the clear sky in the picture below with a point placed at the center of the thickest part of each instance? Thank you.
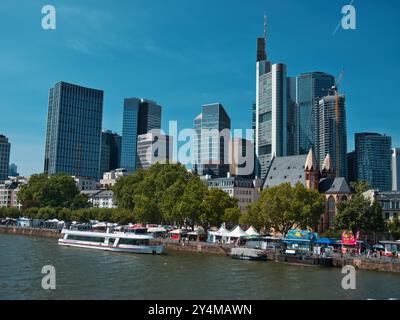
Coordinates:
(185, 53)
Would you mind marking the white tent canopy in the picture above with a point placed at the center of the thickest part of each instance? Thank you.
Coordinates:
(177, 231)
(221, 232)
(156, 229)
(252, 232)
(237, 233)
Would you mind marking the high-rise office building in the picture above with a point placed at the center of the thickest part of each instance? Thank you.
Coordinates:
(374, 160)
(140, 117)
(13, 170)
(331, 131)
(310, 87)
(211, 141)
(73, 134)
(271, 137)
(110, 158)
(5, 147)
(351, 167)
(153, 147)
(396, 169)
(292, 118)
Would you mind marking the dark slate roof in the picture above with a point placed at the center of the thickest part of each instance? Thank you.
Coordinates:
(333, 185)
(286, 169)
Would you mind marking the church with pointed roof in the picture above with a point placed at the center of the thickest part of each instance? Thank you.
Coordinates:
(306, 170)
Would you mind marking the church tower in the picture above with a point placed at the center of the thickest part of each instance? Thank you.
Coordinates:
(311, 171)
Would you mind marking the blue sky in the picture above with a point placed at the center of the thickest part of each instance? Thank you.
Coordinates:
(183, 54)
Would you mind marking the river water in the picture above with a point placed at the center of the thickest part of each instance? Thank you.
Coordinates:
(92, 274)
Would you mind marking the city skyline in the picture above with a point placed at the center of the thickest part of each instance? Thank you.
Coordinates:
(221, 60)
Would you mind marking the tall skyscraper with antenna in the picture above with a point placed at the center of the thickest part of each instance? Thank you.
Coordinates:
(271, 108)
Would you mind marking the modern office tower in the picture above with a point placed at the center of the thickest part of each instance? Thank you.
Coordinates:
(149, 116)
(396, 169)
(13, 170)
(374, 160)
(130, 133)
(351, 167)
(292, 118)
(331, 132)
(140, 117)
(110, 158)
(310, 87)
(73, 135)
(153, 147)
(241, 158)
(5, 147)
(211, 141)
(271, 110)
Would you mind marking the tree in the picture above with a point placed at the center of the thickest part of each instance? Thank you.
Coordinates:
(359, 186)
(394, 228)
(58, 190)
(12, 213)
(190, 206)
(358, 214)
(231, 216)
(46, 213)
(283, 207)
(215, 203)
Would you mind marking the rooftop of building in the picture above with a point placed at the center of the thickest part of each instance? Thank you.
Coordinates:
(334, 185)
(288, 169)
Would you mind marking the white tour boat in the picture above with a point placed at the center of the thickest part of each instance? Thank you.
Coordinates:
(119, 242)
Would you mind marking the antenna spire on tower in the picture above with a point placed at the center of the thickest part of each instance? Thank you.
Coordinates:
(265, 27)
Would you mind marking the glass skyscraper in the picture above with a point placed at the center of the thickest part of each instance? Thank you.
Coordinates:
(73, 134)
(310, 87)
(211, 141)
(110, 158)
(5, 147)
(140, 117)
(331, 133)
(374, 160)
(271, 114)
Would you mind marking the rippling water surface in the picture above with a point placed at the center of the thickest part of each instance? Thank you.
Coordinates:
(91, 274)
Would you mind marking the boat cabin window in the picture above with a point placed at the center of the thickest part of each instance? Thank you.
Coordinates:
(136, 242)
(83, 238)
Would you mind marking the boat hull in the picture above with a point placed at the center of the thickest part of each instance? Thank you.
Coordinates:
(156, 249)
(248, 254)
(243, 257)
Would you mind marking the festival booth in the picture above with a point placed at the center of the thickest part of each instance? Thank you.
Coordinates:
(236, 234)
(324, 246)
(177, 234)
(350, 243)
(252, 233)
(23, 222)
(221, 235)
(300, 241)
(197, 235)
(392, 248)
(157, 232)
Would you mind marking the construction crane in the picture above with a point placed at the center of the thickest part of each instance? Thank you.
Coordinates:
(337, 116)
